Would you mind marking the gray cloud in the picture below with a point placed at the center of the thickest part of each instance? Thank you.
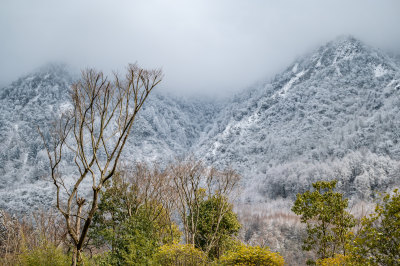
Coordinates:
(204, 46)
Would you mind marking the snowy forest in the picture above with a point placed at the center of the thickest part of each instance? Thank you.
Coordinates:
(298, 169)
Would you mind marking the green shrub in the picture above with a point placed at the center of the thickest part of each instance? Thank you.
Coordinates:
(249, 255)
(180, 254)
(45, 254)
(337, 260)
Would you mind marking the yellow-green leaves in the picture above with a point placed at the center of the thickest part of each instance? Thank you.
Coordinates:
(378, 241)
(328, 222)
(180, 254)
(248, 255)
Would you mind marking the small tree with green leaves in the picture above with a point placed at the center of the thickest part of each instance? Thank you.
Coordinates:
(217, 225)
(378, 241)
(193, 183)
(328, 223)
(132, 221)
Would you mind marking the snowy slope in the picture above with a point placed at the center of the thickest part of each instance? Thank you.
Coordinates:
(333, 113)
(166, 127)
(341, 99)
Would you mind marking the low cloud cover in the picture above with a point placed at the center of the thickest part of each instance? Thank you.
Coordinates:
(204, 47)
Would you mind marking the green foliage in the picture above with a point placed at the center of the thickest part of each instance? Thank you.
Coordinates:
(378, 241)
(180, 254)
(134, 241)
(217, 224)
(133, 230)
(328, 222)
(248, 255)
(337, 260)
(45, 254)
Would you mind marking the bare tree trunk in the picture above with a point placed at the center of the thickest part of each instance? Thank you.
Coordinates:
(188, 176)
(99, 124)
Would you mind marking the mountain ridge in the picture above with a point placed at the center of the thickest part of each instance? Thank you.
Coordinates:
(323, 106)
(327, 112)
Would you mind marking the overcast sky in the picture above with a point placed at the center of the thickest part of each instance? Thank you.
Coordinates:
(203, 46)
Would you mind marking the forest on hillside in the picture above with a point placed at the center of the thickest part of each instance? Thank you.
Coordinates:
(186, 212)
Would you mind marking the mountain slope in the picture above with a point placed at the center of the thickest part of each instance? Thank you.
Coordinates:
(341, 99)
(166, 127)
(331, 114)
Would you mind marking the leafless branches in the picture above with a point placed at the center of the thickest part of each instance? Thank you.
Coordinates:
(192, 181)
(95, 130)
(18, 236)
(146, 189)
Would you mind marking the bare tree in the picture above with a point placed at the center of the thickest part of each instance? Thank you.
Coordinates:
(17, 235)
(221, 183)
(96, 131)
(192, 182)
(146, 188)
(186, 180)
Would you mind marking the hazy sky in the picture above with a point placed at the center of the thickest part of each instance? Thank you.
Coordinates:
(209, 46)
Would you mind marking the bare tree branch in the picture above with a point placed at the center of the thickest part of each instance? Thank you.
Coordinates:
(95, 131)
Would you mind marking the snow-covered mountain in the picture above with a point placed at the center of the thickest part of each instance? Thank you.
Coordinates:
(338, 104)
(333, 113)
(166, 127)
(27, 103)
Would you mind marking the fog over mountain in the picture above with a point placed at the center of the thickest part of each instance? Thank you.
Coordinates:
(205, 47)
(333, 113)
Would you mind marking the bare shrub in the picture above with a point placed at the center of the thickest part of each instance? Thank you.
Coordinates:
(21, 236)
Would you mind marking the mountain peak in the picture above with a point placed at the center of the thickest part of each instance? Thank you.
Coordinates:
(346, 39)
(342, 57)
(346, 47)
(50, 82)
(50, 72)
(54, 67)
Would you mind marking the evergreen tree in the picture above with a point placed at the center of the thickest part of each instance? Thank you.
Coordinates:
(217, 225)
(328, 222)
(378, 241)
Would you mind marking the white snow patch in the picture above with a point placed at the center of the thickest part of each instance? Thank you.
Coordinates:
(318, 63)
(380, 71)
(65, 107)
(338, 70)
(347, 52)
(25, 158)
(282, 92)
(243, 124)
(233, 127)
(349, 56)
(34, 99)
(294, 69)
(216, 145)
(391, 83)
